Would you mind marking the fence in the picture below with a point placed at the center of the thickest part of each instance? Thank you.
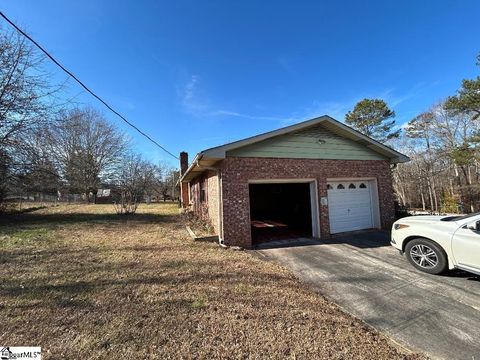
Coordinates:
(44, 198)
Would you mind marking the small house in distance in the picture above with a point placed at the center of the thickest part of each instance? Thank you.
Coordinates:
(312, 179)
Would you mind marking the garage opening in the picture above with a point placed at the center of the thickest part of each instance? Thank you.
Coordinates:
(280, 211)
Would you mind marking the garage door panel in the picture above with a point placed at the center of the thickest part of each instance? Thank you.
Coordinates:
(345, 208)
(344, 199)
(345, 220)
(349, 226)
(351, 194)
(353, 207)
(350, 207)
(347, 203)
(352, 212)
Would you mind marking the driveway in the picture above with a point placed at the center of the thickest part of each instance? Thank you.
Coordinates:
(438, 315)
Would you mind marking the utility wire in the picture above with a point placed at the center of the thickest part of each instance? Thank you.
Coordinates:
(83, 85)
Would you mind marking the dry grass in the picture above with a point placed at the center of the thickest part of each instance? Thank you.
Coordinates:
(22, 207)
(83, 282)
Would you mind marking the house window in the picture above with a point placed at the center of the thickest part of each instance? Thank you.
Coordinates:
(352, 186)
(340, 186)
(362, 186)
(329, 187)
(203, 190)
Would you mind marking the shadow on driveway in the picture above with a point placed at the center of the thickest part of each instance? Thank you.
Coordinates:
(360, 239)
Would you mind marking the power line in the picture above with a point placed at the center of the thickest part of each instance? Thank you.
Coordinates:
(83, 85)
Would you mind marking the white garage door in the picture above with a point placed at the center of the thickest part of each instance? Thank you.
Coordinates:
(349, 205)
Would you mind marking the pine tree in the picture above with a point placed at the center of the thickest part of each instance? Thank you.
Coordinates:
(373, 118)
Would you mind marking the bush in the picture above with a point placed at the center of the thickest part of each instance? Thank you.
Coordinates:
(449, 204)
(400, 211)
(128, 203)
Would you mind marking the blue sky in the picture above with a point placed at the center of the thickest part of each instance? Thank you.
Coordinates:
(195, 74)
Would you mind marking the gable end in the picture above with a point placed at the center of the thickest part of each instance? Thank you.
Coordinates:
(315, 142)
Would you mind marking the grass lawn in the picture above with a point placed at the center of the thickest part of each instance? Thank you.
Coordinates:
(85, 283)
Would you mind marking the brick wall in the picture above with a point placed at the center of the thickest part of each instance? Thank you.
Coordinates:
(236, 172)
(212, 200)
(207, 210)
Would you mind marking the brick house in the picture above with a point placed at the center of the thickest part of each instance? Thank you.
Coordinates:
(312, 179)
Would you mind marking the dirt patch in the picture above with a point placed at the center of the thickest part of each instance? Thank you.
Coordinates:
(83, 282)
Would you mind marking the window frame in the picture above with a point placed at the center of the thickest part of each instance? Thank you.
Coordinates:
(202, 187)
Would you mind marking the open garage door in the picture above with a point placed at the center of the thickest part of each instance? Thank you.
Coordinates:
(351, 205)
(281, 211)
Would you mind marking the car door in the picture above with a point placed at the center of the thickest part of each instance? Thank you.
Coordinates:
(466, 247)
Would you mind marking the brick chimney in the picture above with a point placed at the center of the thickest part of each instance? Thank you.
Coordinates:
(183, 162)
(184, 186)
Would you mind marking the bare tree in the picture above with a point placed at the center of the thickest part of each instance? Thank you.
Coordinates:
(167, 179)
(86, 148)
(134, 177)
(444, 173)
(25, 101)
(24, 87)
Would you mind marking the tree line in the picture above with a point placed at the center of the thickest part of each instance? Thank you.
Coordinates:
(49, 146)
(443, 144)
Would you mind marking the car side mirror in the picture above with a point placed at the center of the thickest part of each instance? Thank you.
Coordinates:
(474, 226)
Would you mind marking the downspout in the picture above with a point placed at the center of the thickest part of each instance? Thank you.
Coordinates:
(220, 208)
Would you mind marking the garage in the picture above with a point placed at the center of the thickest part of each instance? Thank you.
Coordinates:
(282, 210)
(352, 205)
(274, 185)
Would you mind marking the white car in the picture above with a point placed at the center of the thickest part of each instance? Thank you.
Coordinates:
(434, 244)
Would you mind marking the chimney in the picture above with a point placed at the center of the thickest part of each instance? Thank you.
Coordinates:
(184, 196)
(183, 162)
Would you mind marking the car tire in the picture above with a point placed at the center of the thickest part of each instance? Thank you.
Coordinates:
(427, 256)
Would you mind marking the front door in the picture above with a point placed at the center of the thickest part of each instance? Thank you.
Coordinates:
(466, 249)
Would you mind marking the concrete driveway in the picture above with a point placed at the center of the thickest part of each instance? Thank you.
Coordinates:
(438, 315)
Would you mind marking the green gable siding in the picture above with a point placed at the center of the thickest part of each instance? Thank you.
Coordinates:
(305, 145)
